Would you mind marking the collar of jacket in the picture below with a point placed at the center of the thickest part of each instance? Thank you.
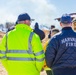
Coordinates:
(66, 28)
(23, 26)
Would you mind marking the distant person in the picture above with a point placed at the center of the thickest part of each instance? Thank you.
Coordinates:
(21, 52)
(53, 32)
(52, 27)
(61, 50)
(39, 32)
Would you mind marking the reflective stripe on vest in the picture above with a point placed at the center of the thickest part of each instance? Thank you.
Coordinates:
(29, 42)
(29, 51)
(24, 51)
(39, 53)
(2, 52)
(20, 59)
(3, 57)
(24, 59)
(19, 51)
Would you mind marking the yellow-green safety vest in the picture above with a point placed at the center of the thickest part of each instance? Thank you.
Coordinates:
(21, 52)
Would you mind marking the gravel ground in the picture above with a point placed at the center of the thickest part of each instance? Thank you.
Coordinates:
(2, 70)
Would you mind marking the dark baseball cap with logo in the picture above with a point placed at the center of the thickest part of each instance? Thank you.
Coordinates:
(66, 19)
(23, 17)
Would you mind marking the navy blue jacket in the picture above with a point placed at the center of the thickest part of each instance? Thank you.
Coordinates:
(61, 50)
(40, 33)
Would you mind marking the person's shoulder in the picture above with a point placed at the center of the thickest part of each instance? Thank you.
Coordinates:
(36, 30)
(41, 31)
(73, 33)
(57, 35)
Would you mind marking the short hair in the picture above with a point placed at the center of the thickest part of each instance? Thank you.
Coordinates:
(19, 22)
(52, 26)
(55, 30)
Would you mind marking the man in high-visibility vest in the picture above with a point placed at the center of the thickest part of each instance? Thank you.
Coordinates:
(21, 52)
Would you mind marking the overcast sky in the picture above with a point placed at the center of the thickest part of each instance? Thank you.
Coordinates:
(43, 11)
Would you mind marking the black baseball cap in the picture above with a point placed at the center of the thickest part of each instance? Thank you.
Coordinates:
(23, 17)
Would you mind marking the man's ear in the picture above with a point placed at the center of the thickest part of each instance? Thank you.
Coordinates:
(71, 24)
(60, 24)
